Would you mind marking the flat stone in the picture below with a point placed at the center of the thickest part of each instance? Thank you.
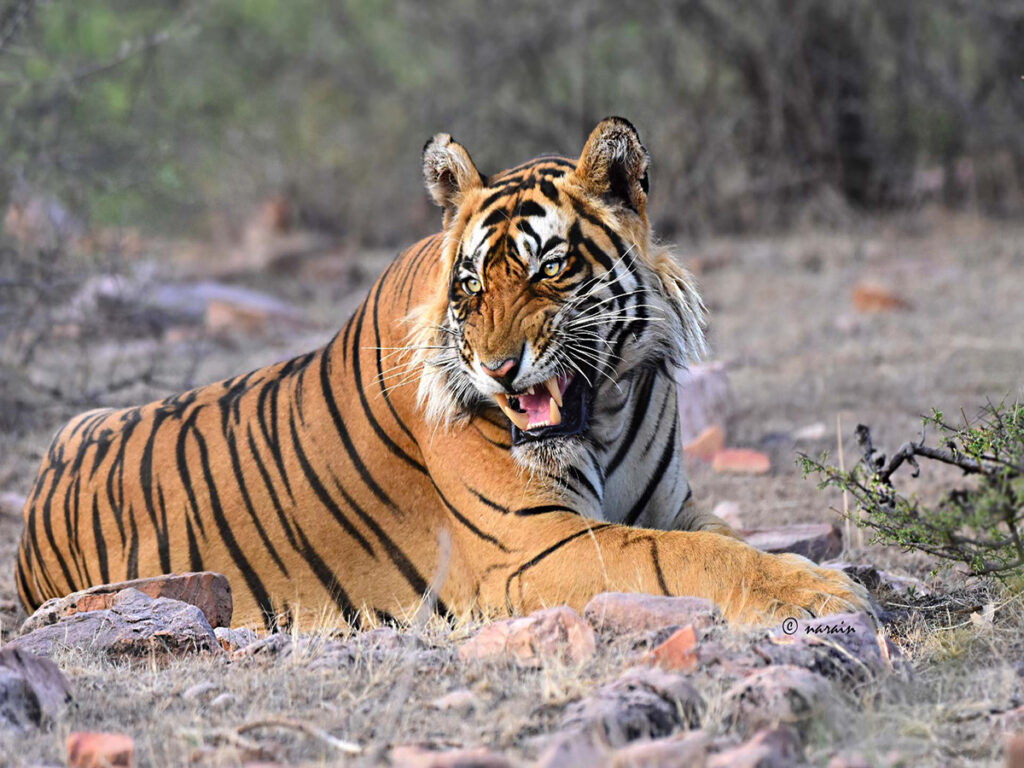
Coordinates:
(33, 691)
(553, 633)
(208, 591)
(678, 652)
(235, 639)
(628, 613)
(741, 461)
(100, 750)
(1015, 750)
(769, 748)
(135, 624)
(461, 700)
(781, 694)
(815, 541)
(705, 445)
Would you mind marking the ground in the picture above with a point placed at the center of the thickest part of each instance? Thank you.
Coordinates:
(798, 354)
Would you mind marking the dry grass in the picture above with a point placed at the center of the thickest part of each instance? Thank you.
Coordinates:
(797, 354)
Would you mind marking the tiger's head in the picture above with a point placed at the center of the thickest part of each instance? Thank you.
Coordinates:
(555, 294)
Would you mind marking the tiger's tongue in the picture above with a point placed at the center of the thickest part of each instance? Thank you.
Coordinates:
(537, 407)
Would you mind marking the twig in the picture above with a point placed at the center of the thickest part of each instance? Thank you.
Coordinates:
(348, 747)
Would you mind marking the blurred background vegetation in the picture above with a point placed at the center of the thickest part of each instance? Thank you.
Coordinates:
(132, 131)
(181, 116)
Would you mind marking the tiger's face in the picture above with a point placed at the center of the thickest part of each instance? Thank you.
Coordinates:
(555, 293)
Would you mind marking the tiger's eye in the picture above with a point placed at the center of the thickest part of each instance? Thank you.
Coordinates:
(552, 267)
(472, 286)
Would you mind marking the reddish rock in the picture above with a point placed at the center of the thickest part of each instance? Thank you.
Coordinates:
(777, 695)
(815, 541)
(685, 749)
(460, 700)
(210, 592)
(741, 461)
(552, 633)
(1015, 750)
(625, 612)
(850, 759)
(706, 444)
(679, 652)
(769, 748)
(100, 750)
(415, 756)
(704, 399)
(134, 625)
(33, 691)
(871, 297)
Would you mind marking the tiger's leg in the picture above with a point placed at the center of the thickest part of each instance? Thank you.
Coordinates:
(561, 558)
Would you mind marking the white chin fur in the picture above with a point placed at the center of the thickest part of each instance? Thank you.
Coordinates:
(554, 455)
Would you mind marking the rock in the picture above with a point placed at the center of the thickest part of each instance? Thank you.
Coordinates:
(642, 703)
(626, 613)
(779, 694)
(567, 750)
(33, 691)
(100, 750)
(741, 461)
(869, 297)
(135, 624)
(815, 541)
(684, 749)
(1015, 750)
(730, 512)
(552, 633)
(11, 504)
(210, 592)
(853, 632)
(460, 700)
(769, 748)
(706, 444)
(234, 639)
(679, 651)
(875, 580)
(415, 756)
(704, 399)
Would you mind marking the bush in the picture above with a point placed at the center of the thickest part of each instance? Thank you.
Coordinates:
(978, 524)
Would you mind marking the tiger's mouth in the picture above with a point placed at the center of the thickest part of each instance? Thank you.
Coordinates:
(559, 407)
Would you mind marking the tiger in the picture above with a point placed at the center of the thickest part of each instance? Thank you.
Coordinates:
(494, 430)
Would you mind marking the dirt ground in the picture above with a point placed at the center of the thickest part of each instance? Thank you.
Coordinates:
(798, 354)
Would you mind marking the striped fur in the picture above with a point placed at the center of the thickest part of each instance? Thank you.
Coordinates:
(353, 477)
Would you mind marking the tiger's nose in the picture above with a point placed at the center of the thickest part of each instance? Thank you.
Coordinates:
(502, 370)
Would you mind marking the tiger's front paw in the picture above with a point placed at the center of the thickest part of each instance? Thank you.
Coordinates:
(791, 585)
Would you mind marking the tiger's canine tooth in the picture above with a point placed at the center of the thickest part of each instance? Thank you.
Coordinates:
(554, 415)
(530, 390)
(521, 420)
(556, 394)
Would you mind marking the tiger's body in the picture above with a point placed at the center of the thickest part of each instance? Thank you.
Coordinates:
(381, 468)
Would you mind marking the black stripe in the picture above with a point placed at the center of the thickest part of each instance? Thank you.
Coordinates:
(487, 502)
(656, 559)
(626, 441)
(321, 492)
(101, 542)
(543, 509)
(547, 553)
(656, 477)
(466, 522)
(252, 579)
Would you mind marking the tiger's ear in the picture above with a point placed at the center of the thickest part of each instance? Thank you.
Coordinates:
(449, 173)
(613, 164)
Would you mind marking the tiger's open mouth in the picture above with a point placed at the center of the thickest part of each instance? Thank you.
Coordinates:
(557, 408)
